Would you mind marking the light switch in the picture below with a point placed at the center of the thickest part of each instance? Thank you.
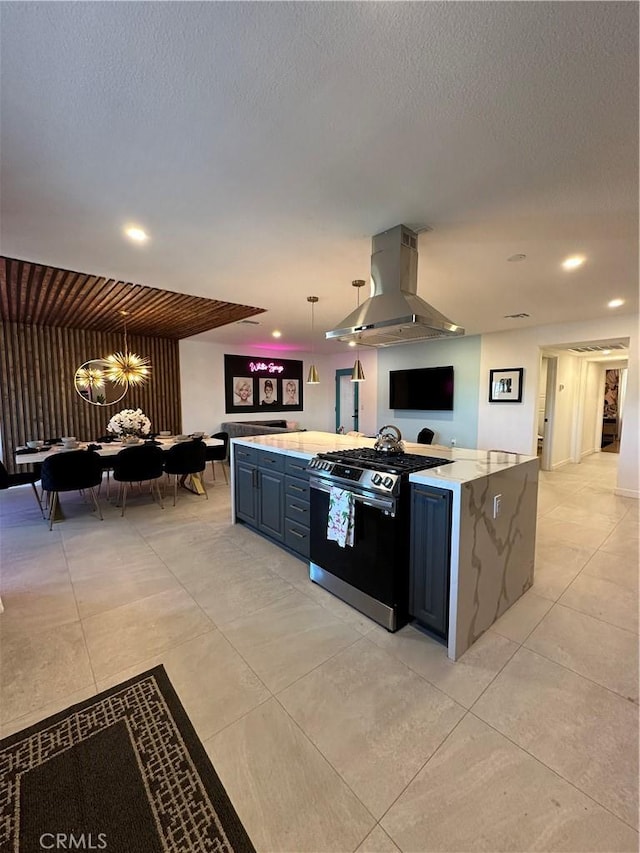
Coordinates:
(497, 505)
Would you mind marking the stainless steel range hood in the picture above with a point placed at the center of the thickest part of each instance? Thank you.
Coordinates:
(395, 314)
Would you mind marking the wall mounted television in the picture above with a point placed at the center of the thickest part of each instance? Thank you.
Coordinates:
(428, 389)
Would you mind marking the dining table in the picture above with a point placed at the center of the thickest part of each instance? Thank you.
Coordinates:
(112, 448)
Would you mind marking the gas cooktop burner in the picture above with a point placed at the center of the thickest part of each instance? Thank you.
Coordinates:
(392, 463)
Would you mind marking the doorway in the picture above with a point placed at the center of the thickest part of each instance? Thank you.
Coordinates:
(615, 380)
(347, 399)
(546, 409)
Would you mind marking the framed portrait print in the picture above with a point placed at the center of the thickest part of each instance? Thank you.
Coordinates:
(291, 394)
(243, 390)
(268, 391)
(505, 385)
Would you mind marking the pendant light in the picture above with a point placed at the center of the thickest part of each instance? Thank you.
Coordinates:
(312, 378)
(127, 368)
(357, 375)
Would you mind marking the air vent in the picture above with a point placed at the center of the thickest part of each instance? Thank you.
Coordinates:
(248, 323)
(409, 240)
(516, 316)
(598, 347)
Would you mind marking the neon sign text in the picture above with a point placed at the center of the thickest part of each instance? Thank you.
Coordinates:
(256, 366)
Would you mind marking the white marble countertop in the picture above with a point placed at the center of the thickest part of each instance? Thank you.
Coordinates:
(467, 464)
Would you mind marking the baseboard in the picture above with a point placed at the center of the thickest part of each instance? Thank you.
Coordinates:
(587, 453)
(561, 464)
(627, 493)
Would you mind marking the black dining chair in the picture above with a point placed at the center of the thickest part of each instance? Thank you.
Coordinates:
(219, 453)
(74, 470)
(138, 465)
(425, 436)
(106, 461)
(183, 459)
(28, 478)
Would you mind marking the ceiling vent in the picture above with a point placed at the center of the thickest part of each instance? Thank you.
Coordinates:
(598, 347)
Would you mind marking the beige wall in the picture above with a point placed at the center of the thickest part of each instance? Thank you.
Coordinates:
(507, 427)
(515, 427)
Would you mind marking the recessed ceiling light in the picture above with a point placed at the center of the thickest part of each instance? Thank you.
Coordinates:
(138, 235)
(352, 343)
(276, 334)
(606, 352)
(515, 259)
(615, 303)
(573, 262)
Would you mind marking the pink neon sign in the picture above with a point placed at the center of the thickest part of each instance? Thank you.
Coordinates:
(262, 366)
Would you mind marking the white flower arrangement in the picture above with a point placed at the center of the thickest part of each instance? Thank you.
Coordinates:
(129, 422)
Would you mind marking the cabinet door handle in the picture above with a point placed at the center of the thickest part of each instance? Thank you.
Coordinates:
(295, 533)
(297, 508)
(297, 488)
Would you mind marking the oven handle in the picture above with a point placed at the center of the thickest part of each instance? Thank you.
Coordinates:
(387, 505)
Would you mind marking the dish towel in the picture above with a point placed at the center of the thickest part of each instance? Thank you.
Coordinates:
(341, 520)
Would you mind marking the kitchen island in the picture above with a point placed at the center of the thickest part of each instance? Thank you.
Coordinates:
(493, 502)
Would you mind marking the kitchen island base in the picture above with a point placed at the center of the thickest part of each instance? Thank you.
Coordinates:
(472, 572)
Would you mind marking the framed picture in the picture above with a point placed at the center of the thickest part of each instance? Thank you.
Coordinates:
(268, 391)
(253, 384)
(291, 394)
(243, 390)
(505, 385)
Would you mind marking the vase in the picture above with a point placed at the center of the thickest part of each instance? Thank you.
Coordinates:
(131, 438)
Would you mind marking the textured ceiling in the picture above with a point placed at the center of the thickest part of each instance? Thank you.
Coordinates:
(263, 144)
(45, 296)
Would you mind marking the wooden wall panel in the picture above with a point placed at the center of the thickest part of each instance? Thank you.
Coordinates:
(37, 395)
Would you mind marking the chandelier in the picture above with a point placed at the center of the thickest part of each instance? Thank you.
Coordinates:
(90, 377)
(127, 368)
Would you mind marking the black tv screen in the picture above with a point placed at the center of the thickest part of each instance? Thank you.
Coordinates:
(428, 389)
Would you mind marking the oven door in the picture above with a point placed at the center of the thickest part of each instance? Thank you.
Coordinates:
(373, 574)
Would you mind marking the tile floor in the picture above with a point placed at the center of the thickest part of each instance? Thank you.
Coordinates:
(328, 732)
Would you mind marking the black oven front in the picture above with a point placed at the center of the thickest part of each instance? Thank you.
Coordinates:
(372, 575)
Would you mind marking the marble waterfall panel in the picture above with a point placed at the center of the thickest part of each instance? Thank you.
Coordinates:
(496, 555)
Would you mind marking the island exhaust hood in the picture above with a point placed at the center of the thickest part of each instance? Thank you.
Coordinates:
(395, 314)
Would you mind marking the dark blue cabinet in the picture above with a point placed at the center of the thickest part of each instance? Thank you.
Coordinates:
(272, 495)
(246, 484)
(271, 503)
(430, 558)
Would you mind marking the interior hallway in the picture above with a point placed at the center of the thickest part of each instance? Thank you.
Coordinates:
(328, 732)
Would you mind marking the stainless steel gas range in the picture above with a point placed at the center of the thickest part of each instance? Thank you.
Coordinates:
(372, 574)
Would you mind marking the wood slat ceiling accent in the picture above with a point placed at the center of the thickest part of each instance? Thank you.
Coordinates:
(39, 295)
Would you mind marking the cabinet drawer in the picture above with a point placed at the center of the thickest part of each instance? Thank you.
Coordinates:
(244, 454)
(296, 488)
(296, 537)
(296, 510)
(295, 467)
(271, 461)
